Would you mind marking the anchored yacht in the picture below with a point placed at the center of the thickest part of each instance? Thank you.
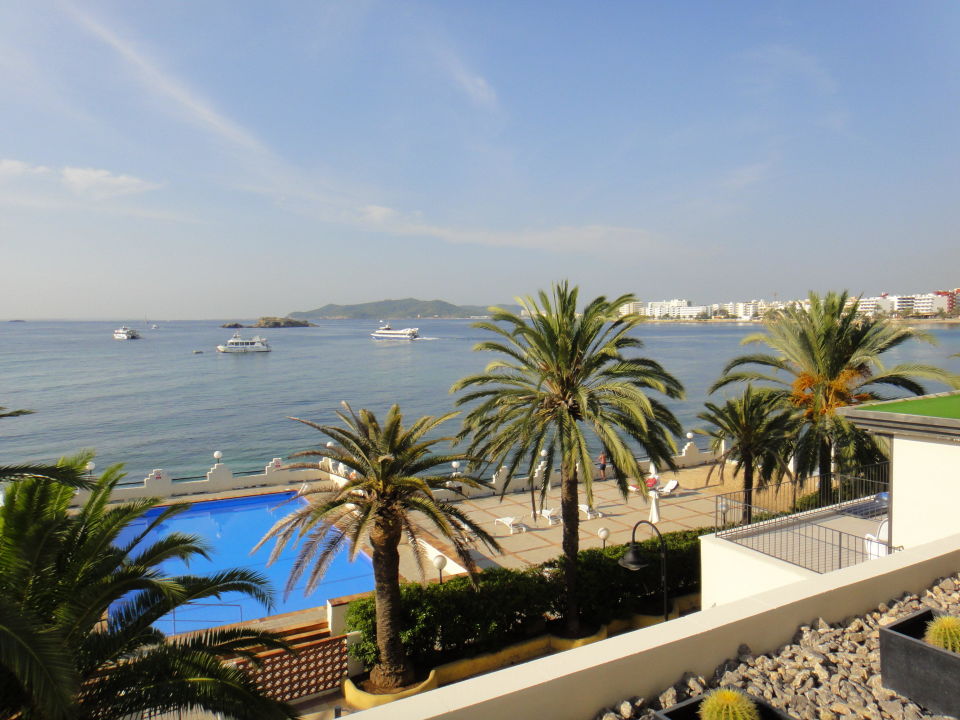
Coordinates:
(237, 344)
(125, 333)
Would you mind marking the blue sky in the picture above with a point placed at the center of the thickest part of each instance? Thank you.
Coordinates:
(224, 159)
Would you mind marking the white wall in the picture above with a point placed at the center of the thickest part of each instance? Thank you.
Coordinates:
(926, 490)
(731, 572)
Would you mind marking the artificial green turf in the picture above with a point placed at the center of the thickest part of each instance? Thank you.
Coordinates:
(945, 406)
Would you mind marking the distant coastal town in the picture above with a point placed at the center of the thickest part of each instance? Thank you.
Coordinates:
(937, 304)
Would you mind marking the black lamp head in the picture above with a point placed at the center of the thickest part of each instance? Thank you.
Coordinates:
(633, 559)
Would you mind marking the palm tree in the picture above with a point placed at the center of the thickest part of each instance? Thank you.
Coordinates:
(92, 598)
(376, 506)
(757, 432)
(556, 373)
(831, 359)
(30, 654)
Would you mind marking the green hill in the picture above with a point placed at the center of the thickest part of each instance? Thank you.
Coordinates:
(395, 309)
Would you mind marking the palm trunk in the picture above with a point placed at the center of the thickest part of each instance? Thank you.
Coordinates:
(571, 547)
(747, 517)
(392, 670)
(826, 472)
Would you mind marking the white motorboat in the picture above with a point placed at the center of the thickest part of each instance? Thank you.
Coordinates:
(125, 333)
(237, 344)
(385, 332)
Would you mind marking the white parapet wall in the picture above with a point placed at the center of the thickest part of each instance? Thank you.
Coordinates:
(925, 493)
(218, 479)
(731, 572)
(574, 684)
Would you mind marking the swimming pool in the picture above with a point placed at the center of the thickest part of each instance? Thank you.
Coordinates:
(232, 528)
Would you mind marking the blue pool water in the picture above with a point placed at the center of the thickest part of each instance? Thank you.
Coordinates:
(232, 528)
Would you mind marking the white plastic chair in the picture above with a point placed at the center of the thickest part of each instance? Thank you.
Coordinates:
(875, 546)
(511, 522)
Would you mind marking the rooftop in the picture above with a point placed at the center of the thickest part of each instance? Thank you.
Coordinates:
(935, 417)
(940, 406)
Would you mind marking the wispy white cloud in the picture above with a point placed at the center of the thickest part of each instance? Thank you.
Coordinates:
(572, 238)
(776, 65)
(192, 105)
(98, 184)
(476, 87)
(17, 168)
(298, 191)
(86, 183)
(746, 176)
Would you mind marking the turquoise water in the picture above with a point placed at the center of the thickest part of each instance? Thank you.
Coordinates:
(232, 528)
(152, 403)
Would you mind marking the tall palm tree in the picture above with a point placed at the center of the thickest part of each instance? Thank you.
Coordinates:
(94, 597)
(757, 432)
(557, 373)
(377, 506)
(826, 357)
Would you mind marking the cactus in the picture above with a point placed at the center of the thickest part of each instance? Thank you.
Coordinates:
(724, 704)
(944, 632)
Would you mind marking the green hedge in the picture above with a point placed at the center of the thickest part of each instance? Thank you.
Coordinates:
(606, 591)
(453, 620)
(446, 622)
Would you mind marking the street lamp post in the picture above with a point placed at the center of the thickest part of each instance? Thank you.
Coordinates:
(603, 533)
(90, 468)
(440, 562)
(633, 560)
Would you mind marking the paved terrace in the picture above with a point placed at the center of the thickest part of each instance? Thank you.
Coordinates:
(690, 506)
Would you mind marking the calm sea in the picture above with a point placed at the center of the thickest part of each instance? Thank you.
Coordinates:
(153, 403)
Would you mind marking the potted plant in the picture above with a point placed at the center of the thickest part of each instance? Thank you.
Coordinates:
(920, 659)
(722, 704)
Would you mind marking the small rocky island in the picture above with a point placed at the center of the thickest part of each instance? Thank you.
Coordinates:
(272, 322)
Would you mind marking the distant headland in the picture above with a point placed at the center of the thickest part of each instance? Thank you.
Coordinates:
(272, 322)
(406, 308)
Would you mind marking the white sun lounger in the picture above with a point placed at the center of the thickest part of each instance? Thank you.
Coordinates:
(668, 487)
(550, 514)
(511, 522)
(590, 512)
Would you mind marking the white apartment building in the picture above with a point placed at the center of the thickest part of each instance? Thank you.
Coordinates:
(930, 304)
(634, 307)
(666, 308)
(692, 312)
(874, 305)
(903, 304)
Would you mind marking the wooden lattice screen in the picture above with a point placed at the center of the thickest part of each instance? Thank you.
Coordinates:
(316, 667)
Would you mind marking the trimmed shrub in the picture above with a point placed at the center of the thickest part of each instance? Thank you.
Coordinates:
(606, 591)
(455, 620)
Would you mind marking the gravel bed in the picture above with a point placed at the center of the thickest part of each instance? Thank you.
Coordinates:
(828, 672)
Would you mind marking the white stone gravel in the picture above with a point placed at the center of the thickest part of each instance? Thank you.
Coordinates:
(828, 672)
